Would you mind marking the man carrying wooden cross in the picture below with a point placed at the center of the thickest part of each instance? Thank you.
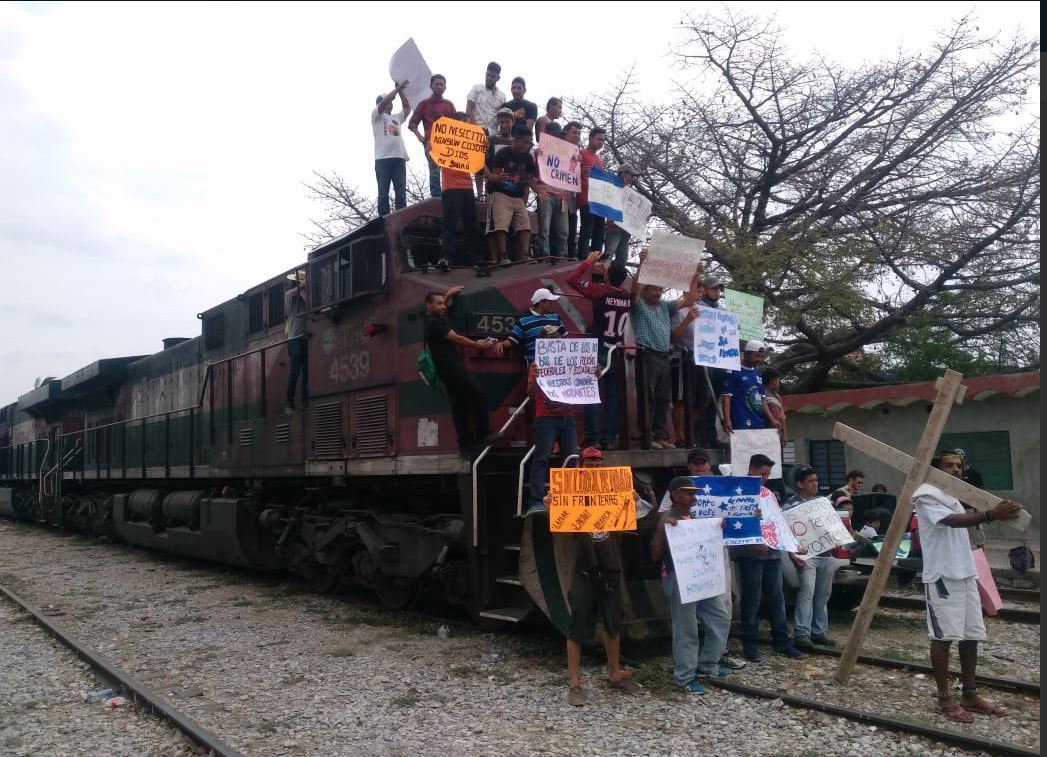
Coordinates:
(954, 610)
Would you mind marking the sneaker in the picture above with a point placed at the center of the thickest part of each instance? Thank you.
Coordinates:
(657, 445)
(442, 265)
(693, 687)
(537, 509)
(505, 263)
(791, 652)
(721, 672)
(804, 643)
(576, 696)
(824, 641)
(668, 445)
(751, 653)
(732, 662)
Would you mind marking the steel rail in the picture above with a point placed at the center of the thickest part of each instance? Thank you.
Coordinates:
(1014, 614)
(139, 691)
(989, 746)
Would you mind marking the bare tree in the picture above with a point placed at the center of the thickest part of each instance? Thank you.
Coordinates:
(857, 202)
(346, 207)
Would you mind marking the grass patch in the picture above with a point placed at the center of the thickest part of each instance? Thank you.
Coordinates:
(465, 671)
(655, 677)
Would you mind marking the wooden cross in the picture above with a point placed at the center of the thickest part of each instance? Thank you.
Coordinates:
(949, 391)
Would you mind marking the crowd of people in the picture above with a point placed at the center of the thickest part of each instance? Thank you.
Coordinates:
(566, 227)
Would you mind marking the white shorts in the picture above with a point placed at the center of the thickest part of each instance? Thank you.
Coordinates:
(954, 610)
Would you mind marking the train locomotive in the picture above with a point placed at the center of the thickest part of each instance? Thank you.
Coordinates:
(190, 450)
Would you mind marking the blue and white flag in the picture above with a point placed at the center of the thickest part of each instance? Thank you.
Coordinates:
(605, 194)
(733, 498)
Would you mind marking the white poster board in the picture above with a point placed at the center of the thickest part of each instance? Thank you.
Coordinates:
(567, 370)
(636, 210)
(558, 163)
(696, 547)
(407, 63)
(671, 261)
(816, 526)
(716, 341)
(749, 442)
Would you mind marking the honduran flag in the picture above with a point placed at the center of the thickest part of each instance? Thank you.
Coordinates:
(605, 194)
(733, 498)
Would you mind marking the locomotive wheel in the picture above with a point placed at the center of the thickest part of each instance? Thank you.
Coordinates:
(394, 593)
(319, 578)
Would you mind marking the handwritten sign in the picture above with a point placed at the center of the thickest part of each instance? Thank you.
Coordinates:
(671, 261)
(458, 145)
(716, 341)
(583, 500)
(567, 370)
(558, 163)
(773, 526)
(749, 442)
(734, 499)
(636, 210)
(816, 526)
(749, 308)
(697, 550)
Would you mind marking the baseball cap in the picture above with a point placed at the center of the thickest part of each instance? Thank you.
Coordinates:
(592, 453)
(505, 112)
(697, 454)
(379, 99)
(627, 168)
(682, 482)
(753, 345)
(543, 294)
(712, 280)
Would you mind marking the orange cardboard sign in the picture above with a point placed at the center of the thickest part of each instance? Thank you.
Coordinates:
(457, 145)
(583, 500)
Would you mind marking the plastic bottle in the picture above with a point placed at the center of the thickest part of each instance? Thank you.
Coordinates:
(100, 695)
(443, 632)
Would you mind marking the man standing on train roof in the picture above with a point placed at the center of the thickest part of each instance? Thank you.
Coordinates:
(954, 611)
(525, 111)
(427, 112)
(611, 306)
(390, 153)
(295, 306)
(590, 234)
(484, 100)
(510, 174)
(459, 205)
(553, 109)
(595, 590)
(616, 239)
(539, 323)
(572, 132)
(468, 404)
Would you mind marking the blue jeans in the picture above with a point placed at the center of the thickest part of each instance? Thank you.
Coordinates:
(391, 170)
(298, 357)
(610, 402)
(590, 235)
(715, 616)
(762, 578)
(434, 177)
(816, 586)
(552, 227)
(547, 431)
(683, 617)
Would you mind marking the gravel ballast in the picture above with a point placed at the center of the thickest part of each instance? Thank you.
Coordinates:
(273, 670)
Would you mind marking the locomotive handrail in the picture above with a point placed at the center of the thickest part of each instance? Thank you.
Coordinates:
(203, 388)
(476, 467)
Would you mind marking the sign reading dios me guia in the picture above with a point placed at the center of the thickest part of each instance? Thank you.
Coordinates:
(591, 499)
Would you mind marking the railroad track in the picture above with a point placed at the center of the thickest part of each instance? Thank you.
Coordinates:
(1020, 595)
(988, 746)
(130, 686)
(1014, 614)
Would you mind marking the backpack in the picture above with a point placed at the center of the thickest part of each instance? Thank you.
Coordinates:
(1022, 558)
(427, 367)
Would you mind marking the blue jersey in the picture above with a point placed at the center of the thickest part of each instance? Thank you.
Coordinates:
(747, 393)
(532, 326)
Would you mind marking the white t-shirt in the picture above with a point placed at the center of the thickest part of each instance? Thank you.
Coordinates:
(687, 338)
(487, 104)
(868, 532)
(946, 550)
(388, 142)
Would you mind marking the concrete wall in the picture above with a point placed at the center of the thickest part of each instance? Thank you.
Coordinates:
(901, 428)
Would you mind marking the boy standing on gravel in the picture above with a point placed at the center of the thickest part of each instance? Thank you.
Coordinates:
(954, 610)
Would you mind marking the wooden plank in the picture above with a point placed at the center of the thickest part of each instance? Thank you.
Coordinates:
(932, 432)
(977, 498)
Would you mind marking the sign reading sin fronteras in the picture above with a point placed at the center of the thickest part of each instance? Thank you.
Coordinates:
(591, 499)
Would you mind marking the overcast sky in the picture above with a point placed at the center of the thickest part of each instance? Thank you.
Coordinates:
(152, 156)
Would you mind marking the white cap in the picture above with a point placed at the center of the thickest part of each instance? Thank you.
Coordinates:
(753, 346)
(543, 294)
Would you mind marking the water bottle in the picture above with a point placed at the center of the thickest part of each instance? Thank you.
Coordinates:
(443, 632)
(492, 655)
(100, 696)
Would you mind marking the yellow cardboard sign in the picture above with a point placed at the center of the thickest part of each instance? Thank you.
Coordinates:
(591, 499)
(458, 145)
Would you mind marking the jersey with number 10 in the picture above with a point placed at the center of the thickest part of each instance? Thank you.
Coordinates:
(611, 306)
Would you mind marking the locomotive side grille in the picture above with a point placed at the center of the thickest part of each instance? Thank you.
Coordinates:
(371, 425)
(283, 433)
(246, 437)
(327, 432)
